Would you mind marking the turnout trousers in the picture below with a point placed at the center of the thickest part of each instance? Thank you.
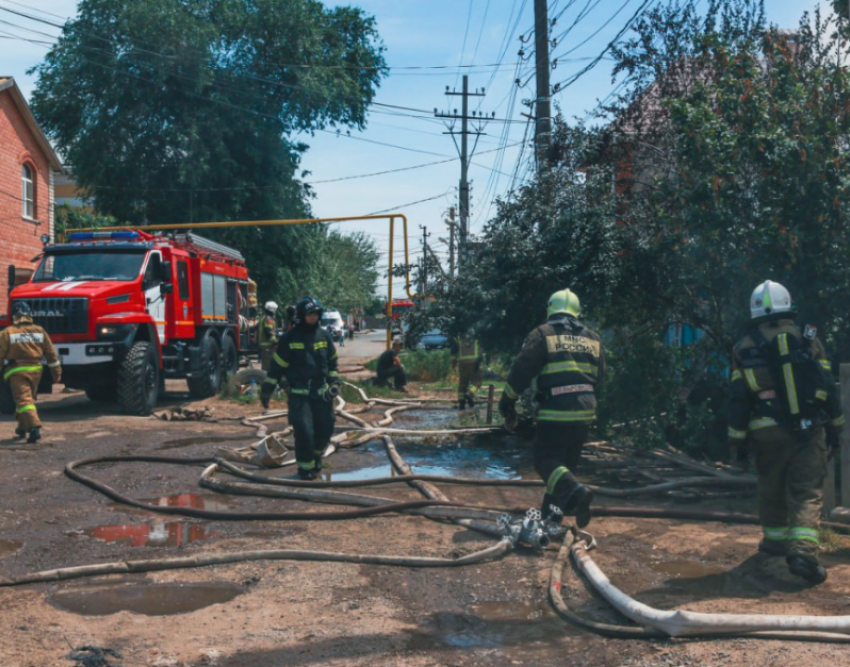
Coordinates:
(790, 487)
(312, 421)
(470, 377)
(557, 450)
(24, 386)
(266, 355)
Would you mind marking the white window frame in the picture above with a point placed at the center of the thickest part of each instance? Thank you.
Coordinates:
(27, 191)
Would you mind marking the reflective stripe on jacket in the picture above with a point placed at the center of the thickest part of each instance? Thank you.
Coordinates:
(568, 361)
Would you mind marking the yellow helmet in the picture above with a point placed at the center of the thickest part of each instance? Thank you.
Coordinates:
(564, 301)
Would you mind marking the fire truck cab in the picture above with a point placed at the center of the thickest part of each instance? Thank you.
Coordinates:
(128, 309)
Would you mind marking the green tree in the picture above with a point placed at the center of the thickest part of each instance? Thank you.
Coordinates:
(183, 110)
(343, 271)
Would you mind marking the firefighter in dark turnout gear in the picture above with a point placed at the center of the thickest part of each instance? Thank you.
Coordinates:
(267, 335)
(305, 364)
(23, 345)
(784, 403)
(465, 351)
(568, 362)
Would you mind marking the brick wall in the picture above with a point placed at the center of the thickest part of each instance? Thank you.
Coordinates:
(19, 237)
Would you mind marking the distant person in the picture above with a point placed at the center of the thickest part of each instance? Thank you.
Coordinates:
(23, 345)
(267, 335)
(466, 355)
(390, 367)
(342, 336)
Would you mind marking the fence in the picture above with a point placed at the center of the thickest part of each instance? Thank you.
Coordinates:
(839, 467)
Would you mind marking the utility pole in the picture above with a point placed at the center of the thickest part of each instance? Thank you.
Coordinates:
(425, 235)
(543, 107)
(479, 120)
(451, 223)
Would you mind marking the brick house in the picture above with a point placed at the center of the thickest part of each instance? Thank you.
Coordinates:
(28, 167)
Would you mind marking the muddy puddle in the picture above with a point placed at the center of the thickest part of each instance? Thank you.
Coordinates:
(8, 547)
(142, 598)
(475, 459)
(528, 630)
(157, 534)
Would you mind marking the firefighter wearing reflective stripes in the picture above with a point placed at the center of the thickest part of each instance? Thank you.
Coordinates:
(305, 364)
(267, 336)
(22, 347)
(466, 352)
(568, 361)
(791, 462)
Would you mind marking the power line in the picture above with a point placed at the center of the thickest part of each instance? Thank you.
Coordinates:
(413, 203)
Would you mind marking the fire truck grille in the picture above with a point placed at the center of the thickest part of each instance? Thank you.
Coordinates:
(61, 316)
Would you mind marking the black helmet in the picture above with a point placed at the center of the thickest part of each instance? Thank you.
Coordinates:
(21, 309)
(306, 306)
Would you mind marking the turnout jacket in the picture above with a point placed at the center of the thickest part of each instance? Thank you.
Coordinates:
(465, 350)
(306, 359)
(23, 345)
(568, 361)
(753, 400)
(267, 332)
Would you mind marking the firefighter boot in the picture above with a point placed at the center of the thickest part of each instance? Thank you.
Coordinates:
(773, 547)
(573, 497)
(35, 436)
(20, 434)
(306, 475)
(469, 396)
(806, 566)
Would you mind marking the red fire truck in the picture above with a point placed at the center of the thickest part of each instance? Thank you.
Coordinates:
(128, 309)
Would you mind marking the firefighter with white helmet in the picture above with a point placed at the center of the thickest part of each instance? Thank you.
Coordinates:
(784, 406)
(568, 361)
(267, 336)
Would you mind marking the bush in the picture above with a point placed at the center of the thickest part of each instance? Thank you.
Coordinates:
(427, 366)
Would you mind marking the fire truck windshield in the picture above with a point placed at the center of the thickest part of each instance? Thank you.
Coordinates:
(112, 265)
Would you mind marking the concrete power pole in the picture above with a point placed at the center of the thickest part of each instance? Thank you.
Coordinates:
(451, 223)
(543, 106)
(479, 120)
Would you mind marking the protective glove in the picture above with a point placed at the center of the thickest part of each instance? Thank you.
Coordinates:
(832, 443)
(266, 391)
(507, 408)
(57, 374)
(739, 455)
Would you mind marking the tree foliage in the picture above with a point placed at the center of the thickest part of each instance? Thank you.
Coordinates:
(184, 110)
(724, 163)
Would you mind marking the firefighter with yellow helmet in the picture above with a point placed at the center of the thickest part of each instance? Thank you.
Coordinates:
(467, 354)
(784, 403)
(22, 347)
(568, 362)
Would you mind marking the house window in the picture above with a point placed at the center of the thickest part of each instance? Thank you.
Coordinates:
(28, 192)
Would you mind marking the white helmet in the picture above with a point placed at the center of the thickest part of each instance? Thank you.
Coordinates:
(769, 298)
(271, 307)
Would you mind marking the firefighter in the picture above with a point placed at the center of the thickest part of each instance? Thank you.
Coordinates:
(267, 336)
(23, 345)
(467, 355)
(568, 362)
(784, 403)
(305, 365)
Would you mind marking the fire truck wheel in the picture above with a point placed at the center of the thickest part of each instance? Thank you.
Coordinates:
(138, 379)
(7, 402)
(209, 377)
(229, 357)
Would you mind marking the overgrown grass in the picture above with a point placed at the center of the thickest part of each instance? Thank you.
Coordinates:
(425, 366)
(831, 540)
(351, 395)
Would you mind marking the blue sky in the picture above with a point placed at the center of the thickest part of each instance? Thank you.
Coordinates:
(429, 33)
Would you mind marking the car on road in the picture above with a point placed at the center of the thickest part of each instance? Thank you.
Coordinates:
(433, 339)
(332, 323)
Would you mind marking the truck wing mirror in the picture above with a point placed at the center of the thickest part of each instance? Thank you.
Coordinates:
(166, 288)
(165, 272)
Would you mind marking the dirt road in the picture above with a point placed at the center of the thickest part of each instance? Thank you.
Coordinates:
(297, 613)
